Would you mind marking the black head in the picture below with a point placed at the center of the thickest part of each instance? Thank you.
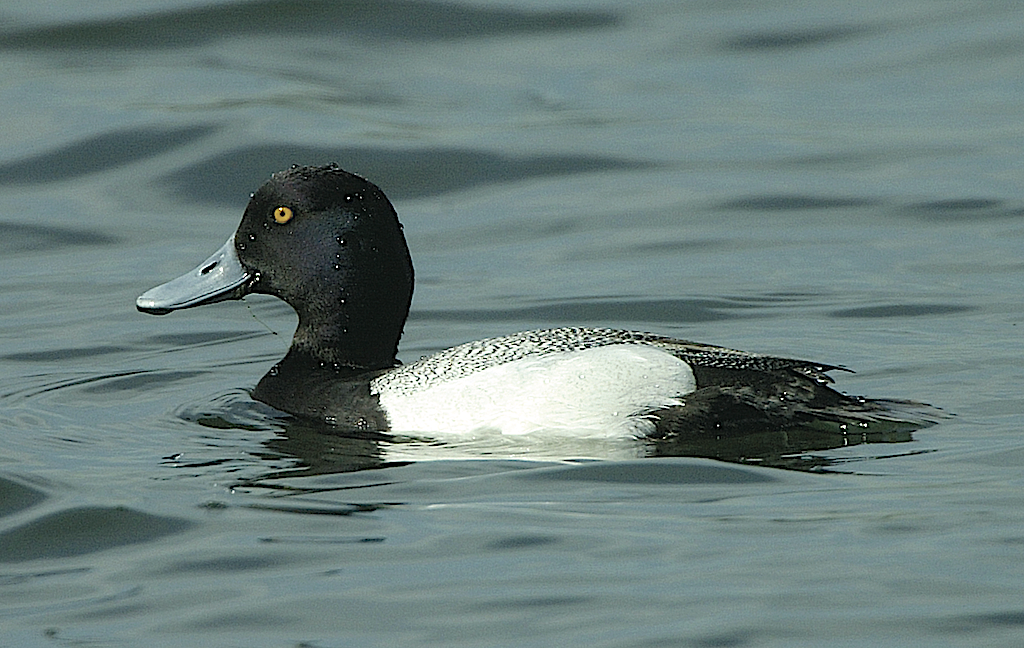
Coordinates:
(329, 244)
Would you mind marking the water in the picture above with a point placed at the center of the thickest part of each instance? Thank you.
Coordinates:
(838, 183)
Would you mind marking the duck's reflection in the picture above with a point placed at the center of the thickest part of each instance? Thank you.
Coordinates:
(319, 449)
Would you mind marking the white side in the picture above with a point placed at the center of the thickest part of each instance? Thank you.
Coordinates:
(602, 392)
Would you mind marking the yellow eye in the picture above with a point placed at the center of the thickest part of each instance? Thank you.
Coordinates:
(282, 215)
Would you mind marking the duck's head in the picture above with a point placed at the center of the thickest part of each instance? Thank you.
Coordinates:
(328, 243)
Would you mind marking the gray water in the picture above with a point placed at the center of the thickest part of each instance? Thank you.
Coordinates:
(832, 181)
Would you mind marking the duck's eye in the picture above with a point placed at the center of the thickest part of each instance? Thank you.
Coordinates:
(282, 215)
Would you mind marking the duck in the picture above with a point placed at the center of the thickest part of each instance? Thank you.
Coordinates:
(329, 243)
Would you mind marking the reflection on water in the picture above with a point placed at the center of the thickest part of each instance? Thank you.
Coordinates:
(227, 178)
(84, 530)
(379, 19)
(320, 449)
(30, 237)
(111, 150)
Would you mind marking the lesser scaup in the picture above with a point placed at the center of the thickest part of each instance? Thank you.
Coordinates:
(329, 243)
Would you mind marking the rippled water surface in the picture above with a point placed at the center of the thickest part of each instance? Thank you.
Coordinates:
(837, 182)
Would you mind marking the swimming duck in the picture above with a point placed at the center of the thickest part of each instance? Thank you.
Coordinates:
(329, 243)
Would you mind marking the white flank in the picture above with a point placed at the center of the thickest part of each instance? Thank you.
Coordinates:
(600, 392)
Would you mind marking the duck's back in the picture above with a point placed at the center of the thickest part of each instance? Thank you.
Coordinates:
(587, 382)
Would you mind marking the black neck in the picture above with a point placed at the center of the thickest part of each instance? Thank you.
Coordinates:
(347, 339)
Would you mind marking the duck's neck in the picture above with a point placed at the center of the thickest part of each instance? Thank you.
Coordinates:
(308, 386)
(324, 356)
(345, 341)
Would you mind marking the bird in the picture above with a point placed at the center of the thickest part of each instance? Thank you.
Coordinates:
(329, 243)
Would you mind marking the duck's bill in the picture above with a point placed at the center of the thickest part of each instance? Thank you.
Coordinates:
(219, 278)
